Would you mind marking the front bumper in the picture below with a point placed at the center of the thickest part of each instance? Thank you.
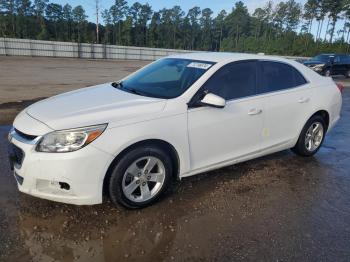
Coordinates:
(46, 175)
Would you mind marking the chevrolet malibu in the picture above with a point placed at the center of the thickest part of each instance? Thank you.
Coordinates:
(177, 117)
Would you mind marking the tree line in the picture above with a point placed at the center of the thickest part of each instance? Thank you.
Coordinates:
(286, 28)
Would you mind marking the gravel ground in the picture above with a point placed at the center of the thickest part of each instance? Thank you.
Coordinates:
(276, 208)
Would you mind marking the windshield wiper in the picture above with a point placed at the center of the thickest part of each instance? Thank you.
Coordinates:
(134, 91)
(120, 86)
(131, 90)
(117, 84)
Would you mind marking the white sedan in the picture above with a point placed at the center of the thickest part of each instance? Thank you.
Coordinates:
(177, 117)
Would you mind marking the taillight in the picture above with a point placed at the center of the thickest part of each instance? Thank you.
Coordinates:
(340, 87)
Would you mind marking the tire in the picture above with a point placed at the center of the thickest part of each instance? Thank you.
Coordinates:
(327, 72)
(307, 137)
(347, 74)
(131, 183)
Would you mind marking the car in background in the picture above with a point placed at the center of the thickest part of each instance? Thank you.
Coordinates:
(330, 64)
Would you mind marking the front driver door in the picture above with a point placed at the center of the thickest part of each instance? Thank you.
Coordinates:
(219, 135)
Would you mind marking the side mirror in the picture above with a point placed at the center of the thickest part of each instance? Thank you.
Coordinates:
(213, 100)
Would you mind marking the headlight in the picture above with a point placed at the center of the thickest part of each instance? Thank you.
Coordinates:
(9, 136)
(69, 140)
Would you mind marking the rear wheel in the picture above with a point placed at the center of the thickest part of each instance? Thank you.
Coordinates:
(140, 177)
(311, 137)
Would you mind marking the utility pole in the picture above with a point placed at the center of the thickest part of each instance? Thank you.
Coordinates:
(97, 24)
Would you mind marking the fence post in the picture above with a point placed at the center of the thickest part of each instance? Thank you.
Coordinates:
(54, 49)
(31, 47)
(79, 49)
(75, 50)
(4, 40)
(104, 51)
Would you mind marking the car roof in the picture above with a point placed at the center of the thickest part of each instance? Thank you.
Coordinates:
(225, 57)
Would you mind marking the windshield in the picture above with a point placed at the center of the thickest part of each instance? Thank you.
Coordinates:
(322, 58)
(166, 78)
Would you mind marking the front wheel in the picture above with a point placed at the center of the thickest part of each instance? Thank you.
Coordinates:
(311, 137)
(140, 177)
(327, 72)
(347, 74)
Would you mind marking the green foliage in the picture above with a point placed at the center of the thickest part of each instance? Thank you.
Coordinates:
(284, 28)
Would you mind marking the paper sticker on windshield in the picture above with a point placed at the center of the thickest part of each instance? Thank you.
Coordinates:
(199, 65)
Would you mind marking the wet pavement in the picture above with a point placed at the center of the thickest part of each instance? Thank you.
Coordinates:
(276, 208)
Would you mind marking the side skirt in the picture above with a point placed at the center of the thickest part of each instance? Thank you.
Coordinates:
(267, 151)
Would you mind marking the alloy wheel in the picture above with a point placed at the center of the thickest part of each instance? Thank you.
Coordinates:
(314, 136)
(143, 179)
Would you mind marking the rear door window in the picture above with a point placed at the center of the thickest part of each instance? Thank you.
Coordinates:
(276, 76)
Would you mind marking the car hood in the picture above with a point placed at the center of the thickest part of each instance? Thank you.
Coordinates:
(94, 105)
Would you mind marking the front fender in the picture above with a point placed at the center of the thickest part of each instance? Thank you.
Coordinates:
(172, 130)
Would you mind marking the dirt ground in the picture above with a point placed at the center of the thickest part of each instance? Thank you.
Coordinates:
(24, 80)
(276, 208)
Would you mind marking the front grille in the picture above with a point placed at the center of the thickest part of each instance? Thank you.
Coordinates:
(17, 154)
(25, 136)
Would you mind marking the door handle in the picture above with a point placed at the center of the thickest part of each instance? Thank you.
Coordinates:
(254, 111)
(303, 100)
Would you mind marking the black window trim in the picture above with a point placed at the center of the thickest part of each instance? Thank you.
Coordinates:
(193, 103)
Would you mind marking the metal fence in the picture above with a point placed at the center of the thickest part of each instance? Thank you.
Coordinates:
(26, 47)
